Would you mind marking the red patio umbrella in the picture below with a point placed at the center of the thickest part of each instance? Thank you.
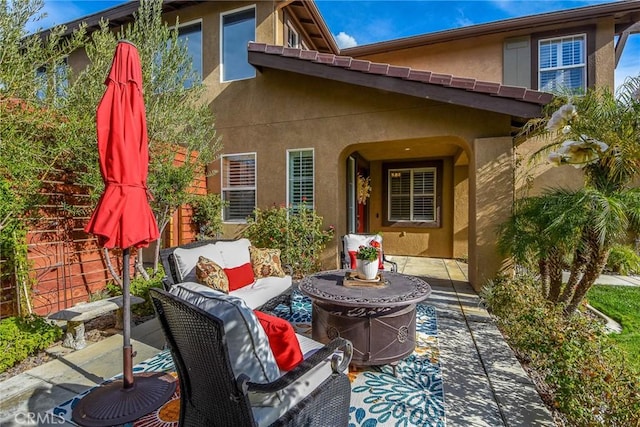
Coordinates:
(123, 219)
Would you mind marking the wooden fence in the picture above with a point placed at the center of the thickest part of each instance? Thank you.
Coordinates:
(66, 264)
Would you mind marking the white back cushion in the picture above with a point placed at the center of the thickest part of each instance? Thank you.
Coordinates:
(353, 241)
(186, 260)
(234, 253)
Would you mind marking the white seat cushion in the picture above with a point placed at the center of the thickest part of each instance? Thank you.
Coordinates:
(298, 390)
(248, 345)
(263, 290)
(186, 260)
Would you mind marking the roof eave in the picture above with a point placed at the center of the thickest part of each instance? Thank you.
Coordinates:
(449, 95)
(533, 21)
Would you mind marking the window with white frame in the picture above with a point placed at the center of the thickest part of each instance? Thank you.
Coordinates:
(412, 194)
(300, 177)
(238, 186)
(190, 34)
(293, 38)
(238, 29)
(562, 64)
(56, 80)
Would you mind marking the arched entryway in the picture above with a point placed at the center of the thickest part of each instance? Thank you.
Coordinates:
(418, 195)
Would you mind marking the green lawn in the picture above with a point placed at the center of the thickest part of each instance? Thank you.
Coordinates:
(621, 303)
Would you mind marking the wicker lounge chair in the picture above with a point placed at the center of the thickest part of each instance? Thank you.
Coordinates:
(212, 395)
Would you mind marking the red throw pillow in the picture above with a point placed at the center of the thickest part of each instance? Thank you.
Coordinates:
(282, 340)
(240, 277)
(353, 259)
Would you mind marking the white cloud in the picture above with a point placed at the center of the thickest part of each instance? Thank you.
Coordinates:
(463, 21)
(55, 13)
(344, 40)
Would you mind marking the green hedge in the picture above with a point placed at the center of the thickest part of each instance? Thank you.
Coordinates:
(590, 381)
(22, 337)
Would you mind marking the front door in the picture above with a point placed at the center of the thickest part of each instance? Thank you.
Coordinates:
(358, 214)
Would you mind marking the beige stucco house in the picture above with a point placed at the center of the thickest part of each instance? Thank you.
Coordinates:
(429, 119)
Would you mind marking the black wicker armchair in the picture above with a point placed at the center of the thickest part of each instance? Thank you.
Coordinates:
(211, 395)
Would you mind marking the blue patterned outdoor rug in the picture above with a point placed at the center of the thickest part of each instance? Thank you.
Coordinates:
(414, 397)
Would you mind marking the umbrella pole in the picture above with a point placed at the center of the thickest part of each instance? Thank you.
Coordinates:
(127, 351)
(121, 401)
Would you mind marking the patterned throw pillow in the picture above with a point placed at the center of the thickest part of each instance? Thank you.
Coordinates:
(212, 275)
(266, 262)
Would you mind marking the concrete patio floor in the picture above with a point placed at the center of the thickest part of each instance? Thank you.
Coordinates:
(484, 384)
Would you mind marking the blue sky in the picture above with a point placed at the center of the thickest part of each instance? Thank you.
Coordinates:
(359, 22)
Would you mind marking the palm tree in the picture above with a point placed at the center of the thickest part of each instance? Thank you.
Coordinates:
(599, 133)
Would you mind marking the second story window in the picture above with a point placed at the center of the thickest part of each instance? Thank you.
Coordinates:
(191, 35)
(293, 39)
(47, 82)
(238, 29)
(238, 186)
(563, 65)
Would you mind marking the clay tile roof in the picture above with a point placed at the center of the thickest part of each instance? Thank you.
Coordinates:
(490, 96)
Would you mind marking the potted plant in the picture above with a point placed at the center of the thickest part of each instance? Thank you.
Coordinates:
(367, 266)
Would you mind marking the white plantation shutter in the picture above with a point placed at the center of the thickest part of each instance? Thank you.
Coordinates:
(300, 177)
(562, 63)
(424, 195)
(412, 194)
(400, 195)
(239, 186)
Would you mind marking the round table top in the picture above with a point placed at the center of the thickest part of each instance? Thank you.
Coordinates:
(401, 290)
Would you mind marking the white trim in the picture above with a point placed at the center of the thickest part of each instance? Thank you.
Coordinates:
(221, 38)
(539, 71)
(222, 175)
(186, 24)
(290, 29)
(313, 158)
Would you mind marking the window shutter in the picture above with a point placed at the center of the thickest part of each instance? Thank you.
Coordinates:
(400, 195)
(301, 177)
(516, 70)
(412, 195)
(239, 186)
(562, 63)
(424, 192)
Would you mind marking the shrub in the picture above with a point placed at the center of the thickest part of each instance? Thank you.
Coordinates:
(207, 214)
(623, 260)
(297, 232)
(21, 337)
(139, 287)
(589, 380)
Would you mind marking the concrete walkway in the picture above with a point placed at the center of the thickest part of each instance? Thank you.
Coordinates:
(484, 384)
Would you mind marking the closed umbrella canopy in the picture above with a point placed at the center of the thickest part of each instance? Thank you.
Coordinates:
(123, 217)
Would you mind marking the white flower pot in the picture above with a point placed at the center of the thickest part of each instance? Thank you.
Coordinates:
(367, 270)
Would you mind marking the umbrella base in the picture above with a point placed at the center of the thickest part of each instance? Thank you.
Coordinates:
(112, 404)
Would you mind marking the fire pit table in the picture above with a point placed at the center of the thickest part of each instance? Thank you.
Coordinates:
(379, 320)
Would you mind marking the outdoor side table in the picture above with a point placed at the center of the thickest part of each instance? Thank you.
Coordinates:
(380, 322)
